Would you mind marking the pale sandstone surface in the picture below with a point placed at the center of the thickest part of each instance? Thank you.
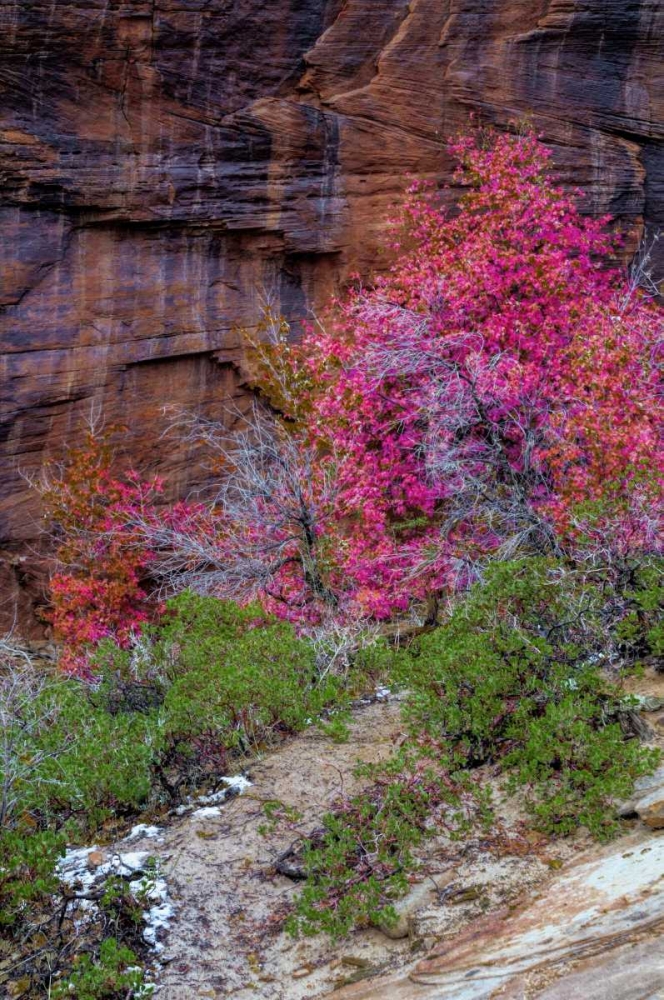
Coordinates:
(512, 918)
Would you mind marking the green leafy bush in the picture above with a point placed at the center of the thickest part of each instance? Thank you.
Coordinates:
(261, 682)
(513, 677)
(212, 681)
(27, 869)
(100, 764)
(573, 765)
(28, 849)
(359, 861)
(112, 975)
(185, 701)
(640, 628)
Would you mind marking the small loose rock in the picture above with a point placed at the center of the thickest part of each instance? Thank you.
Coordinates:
(647, 801)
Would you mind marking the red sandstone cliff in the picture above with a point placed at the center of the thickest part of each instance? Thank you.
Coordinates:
(163, 162)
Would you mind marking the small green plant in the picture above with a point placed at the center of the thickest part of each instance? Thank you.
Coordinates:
(358, 864)
(112, 975)
(277, 812)
(148, 882)
(123, 909)
(336, 727)
(512, 678)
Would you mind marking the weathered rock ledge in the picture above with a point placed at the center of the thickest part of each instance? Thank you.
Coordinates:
(556, 920)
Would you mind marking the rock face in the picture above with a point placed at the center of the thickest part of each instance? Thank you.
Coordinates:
(595, 933)
(647, 801)
(164, 164)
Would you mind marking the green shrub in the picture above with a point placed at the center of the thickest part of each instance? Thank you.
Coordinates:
(212, 680)
(100, 765)
(573, 765)
(358, 863)
(27, 870)
(512, 678)
(336, 727)
(112, 975)
(262, 681)
(640, 629)
(196, 630)
(209, 682)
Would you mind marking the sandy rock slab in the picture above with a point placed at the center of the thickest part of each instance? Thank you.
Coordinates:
(226, 938)
(594, 934)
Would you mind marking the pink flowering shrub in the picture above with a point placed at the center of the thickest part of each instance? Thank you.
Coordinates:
(495, 393)
(96, 592)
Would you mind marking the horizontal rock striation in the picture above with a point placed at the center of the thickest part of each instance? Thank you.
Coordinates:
(166, 165)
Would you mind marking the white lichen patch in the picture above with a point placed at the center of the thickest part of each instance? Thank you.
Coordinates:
(143, 831)
(235, 785)
(207, 812)
(139, 868)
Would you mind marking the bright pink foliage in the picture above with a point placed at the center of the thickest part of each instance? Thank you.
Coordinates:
(97, 593)
(496, 392)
